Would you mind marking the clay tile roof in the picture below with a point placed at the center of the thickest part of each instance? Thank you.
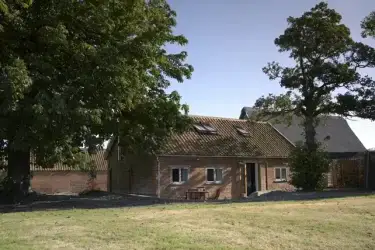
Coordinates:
(263, 140)
(98, 158)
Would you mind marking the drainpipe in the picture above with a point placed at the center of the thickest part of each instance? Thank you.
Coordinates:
(266, 167)
(158, 176)
(245, 179)
(367, 167)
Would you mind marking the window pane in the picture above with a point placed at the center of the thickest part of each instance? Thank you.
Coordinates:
(199, 127)
(210, 174)
(283, 173)
(219, 174)
(175, 175)
(209, 128)
(242, 131)
(184, 174)
(277, 173)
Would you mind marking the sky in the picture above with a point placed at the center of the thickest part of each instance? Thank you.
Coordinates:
(230, 41)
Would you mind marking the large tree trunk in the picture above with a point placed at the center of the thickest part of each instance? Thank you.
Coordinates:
(310, 134)
(18, 175)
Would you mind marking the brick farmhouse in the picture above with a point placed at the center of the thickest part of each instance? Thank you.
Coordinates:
(229, 158)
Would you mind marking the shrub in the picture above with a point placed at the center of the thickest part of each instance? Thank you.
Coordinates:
(308, 168)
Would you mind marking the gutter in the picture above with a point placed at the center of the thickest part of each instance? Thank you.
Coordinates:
(229, 156)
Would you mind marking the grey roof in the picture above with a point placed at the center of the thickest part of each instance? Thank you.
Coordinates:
(342, 139)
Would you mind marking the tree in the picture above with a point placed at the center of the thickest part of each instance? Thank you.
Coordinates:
(79, 72)
(368, 26)
(361, 97)
(320, 46)
(307, 167)
(4, 5)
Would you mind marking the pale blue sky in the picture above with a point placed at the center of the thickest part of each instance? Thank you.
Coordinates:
(231, 40)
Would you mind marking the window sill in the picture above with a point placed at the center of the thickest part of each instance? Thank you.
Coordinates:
(178, 183)
(214, 182)
(280, 181)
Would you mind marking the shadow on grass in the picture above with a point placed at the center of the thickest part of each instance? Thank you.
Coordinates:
(108, 200)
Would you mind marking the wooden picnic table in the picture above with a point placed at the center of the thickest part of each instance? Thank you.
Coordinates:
(196, 194)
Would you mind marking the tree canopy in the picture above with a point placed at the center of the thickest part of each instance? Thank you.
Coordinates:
(74, 72)
(320, 46)
(361, 98)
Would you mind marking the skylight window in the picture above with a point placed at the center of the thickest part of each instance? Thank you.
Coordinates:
(242, 131)
(199, 127)
(205, 128)
(209, 128)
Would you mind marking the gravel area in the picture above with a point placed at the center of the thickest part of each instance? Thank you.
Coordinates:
(295, 196)
(109, 200)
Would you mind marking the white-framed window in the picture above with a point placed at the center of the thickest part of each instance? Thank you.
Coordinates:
(214, 175)
(281, 174)
(180, 174)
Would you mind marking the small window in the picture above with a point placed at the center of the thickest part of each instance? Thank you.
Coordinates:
(280, 174)
(180, 175)
(242, 131)
(214, 175)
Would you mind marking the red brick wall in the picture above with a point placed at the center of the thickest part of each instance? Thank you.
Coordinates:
(65, 181)
(143, 177)
(197, 176)
(233, 176)
(271, 179)
(142, 174)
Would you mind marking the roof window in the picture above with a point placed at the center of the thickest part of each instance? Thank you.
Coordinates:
(242, 131)
(205, 128)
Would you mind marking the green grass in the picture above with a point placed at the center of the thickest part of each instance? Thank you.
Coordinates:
(327, 224)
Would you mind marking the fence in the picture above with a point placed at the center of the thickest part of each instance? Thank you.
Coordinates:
(347, 173)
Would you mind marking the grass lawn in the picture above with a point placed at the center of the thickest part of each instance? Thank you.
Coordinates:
(326, 224)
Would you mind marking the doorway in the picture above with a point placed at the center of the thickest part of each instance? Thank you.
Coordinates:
(251, 178)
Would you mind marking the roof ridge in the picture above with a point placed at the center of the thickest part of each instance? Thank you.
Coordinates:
(282, 135)
(224, 118)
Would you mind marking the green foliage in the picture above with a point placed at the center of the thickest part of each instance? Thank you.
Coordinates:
(153, 130)
(78, 72)
(82, 161)
(308, 168)
(368, 25)
(361, 97)
(320, 46)
(278, 108)
(4, 9)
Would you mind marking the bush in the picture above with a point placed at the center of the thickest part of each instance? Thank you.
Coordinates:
(308, 168)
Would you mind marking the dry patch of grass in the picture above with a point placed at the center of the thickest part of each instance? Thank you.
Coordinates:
(336, 224)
